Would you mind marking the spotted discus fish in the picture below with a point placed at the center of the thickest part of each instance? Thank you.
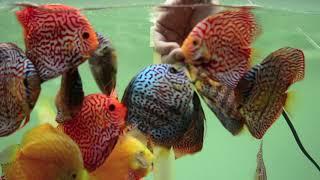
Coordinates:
(261, 172)
(262, 92)
(163, 106)
(19, 88)
(94, 122)
(218, 47)
(103, 65)
(57, 37)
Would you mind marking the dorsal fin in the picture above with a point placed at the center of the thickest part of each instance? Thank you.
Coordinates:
(70, 96)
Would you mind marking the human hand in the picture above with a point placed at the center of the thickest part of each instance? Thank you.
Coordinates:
(173, 25)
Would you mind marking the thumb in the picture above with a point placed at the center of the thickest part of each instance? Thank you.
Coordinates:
(175, 56)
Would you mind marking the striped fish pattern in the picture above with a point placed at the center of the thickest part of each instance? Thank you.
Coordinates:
(57, 38)
(19, 88)
(219, 46)
(162, 104)
(96, 122)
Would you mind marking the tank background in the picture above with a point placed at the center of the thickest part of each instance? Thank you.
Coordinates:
(224, 156)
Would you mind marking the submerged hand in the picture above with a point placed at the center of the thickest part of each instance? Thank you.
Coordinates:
(173, 25)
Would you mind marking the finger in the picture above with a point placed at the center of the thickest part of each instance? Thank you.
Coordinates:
(175, 56)
(164, 48)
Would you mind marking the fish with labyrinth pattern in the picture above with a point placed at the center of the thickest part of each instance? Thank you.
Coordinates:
(164, 108)
(19, 88)
(57, 37)
(94, 121)
(260, 95)
(218, 49)
(162, 105)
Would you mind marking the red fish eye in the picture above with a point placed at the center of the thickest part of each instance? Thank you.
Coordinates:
(112, 107)
(85, 35)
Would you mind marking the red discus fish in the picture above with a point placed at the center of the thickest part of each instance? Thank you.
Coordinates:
(218, 47)
(57, 37)
(94, 122)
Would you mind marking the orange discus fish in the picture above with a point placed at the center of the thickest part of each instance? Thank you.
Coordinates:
(44, 153)
(57, 37)
(94, 122)
(218, 47)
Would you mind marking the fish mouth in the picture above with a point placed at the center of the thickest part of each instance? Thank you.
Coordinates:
(103, 50)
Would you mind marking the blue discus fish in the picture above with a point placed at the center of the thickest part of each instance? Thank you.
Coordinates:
(162, 105)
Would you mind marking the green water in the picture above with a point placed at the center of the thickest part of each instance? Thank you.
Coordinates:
(223, 157)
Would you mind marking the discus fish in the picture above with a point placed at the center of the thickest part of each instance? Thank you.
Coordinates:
(57, 37)
(19, 88)
(260, 96)
(222, 101)
(94, 122)
(129, 160)
(164, 108)
(261, 172)
(218, 47)
(103, 65)
(262, 92)
(44, 153)
(162, 104)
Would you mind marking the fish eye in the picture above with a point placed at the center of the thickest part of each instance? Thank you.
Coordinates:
(85, 35)
(173, 70)
(112, 107)
(195, 42)
(74, 176)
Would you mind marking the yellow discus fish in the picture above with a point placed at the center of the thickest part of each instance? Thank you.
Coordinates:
(129, 160)
(44, 153)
